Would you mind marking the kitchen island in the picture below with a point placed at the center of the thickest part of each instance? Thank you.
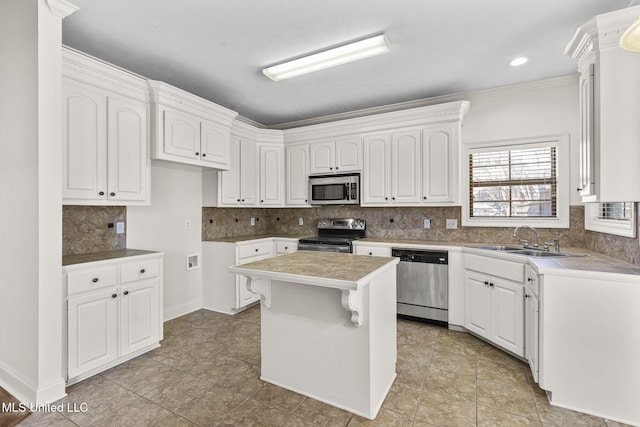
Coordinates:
(328, 326)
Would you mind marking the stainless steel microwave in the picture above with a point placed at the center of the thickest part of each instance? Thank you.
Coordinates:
(334, 189)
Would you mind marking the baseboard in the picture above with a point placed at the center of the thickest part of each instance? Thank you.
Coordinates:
(27, 391)
(182, 309)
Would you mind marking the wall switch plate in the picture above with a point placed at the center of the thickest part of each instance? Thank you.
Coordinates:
(253, 221)
(452, 224)
(187, 224)
(300, 221)
(120, 227)
(427, 223)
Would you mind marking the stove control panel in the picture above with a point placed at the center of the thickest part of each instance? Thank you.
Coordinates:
(342, 224)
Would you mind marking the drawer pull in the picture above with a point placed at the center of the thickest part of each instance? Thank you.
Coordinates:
(95, 280)
(286, 247)
(256, 250)
(126, 292)
(142, 271)
(114, 296)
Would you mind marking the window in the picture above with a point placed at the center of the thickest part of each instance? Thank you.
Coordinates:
(612, 218)
(517, 182)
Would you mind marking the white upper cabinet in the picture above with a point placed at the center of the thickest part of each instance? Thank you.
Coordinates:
(339, 156)
(440, 164)
(271, 175)
(104, 133)
(376, 186)
(405, 167)
(188, 129)
(609, 108)
(297, 175)
(237, 187)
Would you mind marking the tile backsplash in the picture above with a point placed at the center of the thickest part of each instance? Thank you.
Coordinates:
(85, 228)
(406, 223)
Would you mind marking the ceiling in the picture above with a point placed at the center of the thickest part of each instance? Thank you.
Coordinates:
(216, 49)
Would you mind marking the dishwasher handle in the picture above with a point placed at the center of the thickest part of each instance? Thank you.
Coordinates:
(422, 256)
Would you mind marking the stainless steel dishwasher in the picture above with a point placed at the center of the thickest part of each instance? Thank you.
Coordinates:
(423, 284)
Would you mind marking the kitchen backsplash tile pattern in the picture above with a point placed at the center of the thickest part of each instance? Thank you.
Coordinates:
(85, 229)
(407, 223)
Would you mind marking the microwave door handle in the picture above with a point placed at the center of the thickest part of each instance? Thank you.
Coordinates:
(347, 192)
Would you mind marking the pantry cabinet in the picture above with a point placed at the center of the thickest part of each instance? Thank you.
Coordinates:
(609, 107)
(114, 312)
(104, 134)
(494, 308)
(340, 156)
(188, 129)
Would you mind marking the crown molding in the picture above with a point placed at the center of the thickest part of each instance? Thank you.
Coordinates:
(601, 32)
(61, 8)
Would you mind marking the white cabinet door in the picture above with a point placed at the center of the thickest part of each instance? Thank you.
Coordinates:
(139, 315)
(587, 121)
(372, 250)
(181, 135)
(248, 173)
(127, 149)
(271, 175)
(477, 304)
(84, 143)
(297, 180)
(531, 333)
(348, 155)
(214, 145)
(439, 164)
(507, 315)
(229, 181)
(376, 177)
(92, 331)
(322, 157)
(405, 167)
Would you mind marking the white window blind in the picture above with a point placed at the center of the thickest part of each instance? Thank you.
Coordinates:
(617, 218)
(513, 182)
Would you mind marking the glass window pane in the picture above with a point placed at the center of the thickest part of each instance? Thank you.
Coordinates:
(491, 209)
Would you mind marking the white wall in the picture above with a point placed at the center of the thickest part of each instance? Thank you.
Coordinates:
(176, 197)
(30, 187)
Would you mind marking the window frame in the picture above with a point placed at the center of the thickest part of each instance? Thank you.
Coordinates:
(563, 198)
(610, 226)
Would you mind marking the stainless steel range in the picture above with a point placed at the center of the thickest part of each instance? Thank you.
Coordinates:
(335, 235)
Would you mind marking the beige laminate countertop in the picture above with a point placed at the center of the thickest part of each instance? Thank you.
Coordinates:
(103, 255)
(321, 265)
(237, 239)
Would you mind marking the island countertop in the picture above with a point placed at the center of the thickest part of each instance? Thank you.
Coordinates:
(335, 270)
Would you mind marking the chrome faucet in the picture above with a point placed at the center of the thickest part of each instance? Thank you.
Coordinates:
(526, 242)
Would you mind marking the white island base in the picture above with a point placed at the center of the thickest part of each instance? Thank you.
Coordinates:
(331, 340)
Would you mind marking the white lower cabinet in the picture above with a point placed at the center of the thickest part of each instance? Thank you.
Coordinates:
(532, 321)
(223, 291)
(112, 314)
(372, 250)
(494, 297)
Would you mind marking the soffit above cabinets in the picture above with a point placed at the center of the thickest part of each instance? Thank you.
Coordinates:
(217, 50)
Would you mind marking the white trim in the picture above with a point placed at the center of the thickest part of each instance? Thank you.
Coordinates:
(181, 309)
(61, 8)
(608, 226)
(563, 196)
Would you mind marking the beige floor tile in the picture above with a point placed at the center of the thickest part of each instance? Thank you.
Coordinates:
(611, 423)
(253, 413)
(496, 355)
(402, 399)
(410, 373)
(181, 389)
(245, 380)
(416, 333)
(215, 367)
(278, 397)
(445, 410)
(384, 418)
(322, 414)
(104, 403)
(561, 417)
(489, 370)
(136, 412)
(458, 342)
(211, 407)
(451, 383)
(245, 348)
(296, 421)
(173, 420)
(515, 399)
(420, 354)
(489, 417)
(462, 364)
(143, 374)
(45, 419)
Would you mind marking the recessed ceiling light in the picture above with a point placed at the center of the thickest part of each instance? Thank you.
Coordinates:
(520, 60)
(329, 58)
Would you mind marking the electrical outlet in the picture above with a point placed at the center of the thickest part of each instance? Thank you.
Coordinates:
(187, 224)
(427, 223)
(300, 221)
(120, 227)
(452, 224)
(253, 221)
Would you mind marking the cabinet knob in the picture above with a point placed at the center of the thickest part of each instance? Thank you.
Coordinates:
(393, 198)
(197, 154)
(126, 292)
(424, 197)
(491, 284)
(286, 247)
(204, 154)
(114, 295)
(370, 253)
(142, 271)
(578, 189)
(529, 279)
(101, 193)
(330, 169)
(486, 283)
(336, 167)
(95, 280)
(386, 198)
(243, 200)
(526, 295)
(306, 200)
(261, 201)
(112, 194)
(238, 200)
(256, 250)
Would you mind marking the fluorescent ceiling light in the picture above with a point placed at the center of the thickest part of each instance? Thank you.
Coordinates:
(329, 58)
(516, 62)
(630, 40)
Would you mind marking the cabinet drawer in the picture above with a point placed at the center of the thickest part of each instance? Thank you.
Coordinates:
(495, 267)
(286, 247)
(372, 250)
(254, 249)
(139, 270)
(81, 281)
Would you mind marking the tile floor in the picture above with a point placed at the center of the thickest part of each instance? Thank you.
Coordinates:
(207, 373)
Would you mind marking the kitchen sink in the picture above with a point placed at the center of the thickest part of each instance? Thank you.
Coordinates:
(500, 248)
(519, 250)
